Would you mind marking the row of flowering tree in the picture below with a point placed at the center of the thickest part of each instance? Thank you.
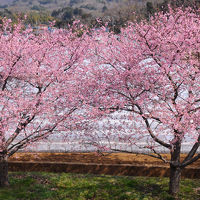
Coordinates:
(51, 81)
(38, 95)
(151, 71)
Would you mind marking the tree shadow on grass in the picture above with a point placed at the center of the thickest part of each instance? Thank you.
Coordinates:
(63, 186)
(109, 187)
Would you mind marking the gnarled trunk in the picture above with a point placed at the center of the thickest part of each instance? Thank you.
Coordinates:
(175, 169)
(3, 171)
(175, 177)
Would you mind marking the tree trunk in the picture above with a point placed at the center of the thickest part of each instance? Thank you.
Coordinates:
(175, 169)
(175, 177)
(3, 171)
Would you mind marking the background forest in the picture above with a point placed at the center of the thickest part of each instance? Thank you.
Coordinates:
(114, 12)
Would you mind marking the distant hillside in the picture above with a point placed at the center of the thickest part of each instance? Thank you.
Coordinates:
(3, 2)
(89, 6)
(115, 13)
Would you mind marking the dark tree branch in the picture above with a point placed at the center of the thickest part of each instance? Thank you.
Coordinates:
(151, 132)
(153, 136)
(6, 80)
(190, 161)
(20, 127)
(189, 158)
(158, 156)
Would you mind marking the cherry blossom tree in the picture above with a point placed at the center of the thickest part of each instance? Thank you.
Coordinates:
(151, 71)
(38, 93)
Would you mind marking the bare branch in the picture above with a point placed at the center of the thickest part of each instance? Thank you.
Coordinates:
(151, 132)
(20, 127)
(6, 80)
(158, 156)
(189, 157)
(190, 161)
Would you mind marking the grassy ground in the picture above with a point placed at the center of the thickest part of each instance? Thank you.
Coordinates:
(52, 186)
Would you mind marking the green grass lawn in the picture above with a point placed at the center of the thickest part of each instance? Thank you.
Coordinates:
(54, 186)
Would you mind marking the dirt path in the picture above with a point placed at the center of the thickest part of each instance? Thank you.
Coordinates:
(113, 158)
(93, 163)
